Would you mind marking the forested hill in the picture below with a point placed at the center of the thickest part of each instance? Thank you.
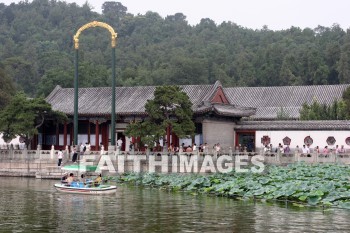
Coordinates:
(36, 50)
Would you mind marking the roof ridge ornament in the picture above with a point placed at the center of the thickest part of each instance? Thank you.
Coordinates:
(217, 84)
(211, 93)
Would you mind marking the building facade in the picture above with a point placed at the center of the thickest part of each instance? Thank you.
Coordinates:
(231, 116)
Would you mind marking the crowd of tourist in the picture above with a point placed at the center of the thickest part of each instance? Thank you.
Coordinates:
(192, 149)
(306, 150)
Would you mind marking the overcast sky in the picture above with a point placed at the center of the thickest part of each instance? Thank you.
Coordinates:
(276, 14)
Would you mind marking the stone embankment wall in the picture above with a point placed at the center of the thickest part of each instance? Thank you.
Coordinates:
(28, 163)
(43, 163)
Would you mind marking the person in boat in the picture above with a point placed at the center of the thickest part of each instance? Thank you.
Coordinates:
(64, 178)
(70, 179)
(83, 178)
(87, 182)
(98, 180)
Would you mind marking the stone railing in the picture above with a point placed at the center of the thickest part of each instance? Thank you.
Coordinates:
(43, 163)
(26, 155)
(269, 158)
(287, 158)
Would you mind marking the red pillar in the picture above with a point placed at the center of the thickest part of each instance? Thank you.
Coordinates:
(34, 143)
(168, 135)
(65, 134)
(71, 136)
(89, 133)
(57, 136)
(175, 140)
(97, 136)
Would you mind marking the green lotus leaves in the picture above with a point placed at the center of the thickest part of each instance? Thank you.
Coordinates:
(313, 200)
(345, 205)
(303, 184)
(298, 205)
(264, 180)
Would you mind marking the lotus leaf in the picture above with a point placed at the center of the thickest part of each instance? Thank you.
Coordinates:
(313, 200)
(326, 184)
(345, 205)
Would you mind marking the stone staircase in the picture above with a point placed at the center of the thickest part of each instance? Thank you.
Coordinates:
(50, 172)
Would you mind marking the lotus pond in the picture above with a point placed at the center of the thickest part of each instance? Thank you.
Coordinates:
(325, 185)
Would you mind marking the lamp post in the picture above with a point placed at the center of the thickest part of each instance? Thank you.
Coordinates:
(76, 76)
(76, 46)
(113, 99)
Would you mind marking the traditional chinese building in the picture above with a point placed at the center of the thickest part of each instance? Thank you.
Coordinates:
(229, 116)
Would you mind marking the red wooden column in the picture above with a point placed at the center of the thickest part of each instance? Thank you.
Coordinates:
(34, 143)
(137, 141)
(175, 139)
(71, 136)
(97, 136)
(89, 133)
(65, 134)
(57, 135)
(168, 135)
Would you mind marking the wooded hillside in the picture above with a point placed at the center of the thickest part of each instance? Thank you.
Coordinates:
(36, 50)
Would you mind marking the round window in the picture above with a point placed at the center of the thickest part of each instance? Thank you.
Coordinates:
(308, 141)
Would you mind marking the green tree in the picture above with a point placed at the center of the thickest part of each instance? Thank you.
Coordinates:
(114, 11)
(344, 62)
(317, 111)
(346, 100)
(170, 107)
(340, 110)
(36, 38)
(282, 114)
(55, 77)
(7, 89)
(23, 116)
(22, 73)
(183, 69)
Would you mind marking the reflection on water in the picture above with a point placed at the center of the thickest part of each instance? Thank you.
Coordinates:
(28, 205)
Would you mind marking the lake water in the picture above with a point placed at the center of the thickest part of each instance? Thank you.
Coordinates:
(29, 205)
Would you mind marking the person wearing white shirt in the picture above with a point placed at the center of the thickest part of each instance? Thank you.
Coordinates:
(194, 148)
(120, 143)
(305, 150)
(60, 157)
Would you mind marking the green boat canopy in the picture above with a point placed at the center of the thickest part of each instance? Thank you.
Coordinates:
(77, 167)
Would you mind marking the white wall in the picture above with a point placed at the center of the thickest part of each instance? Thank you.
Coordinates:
(319, 138)
(14, 141)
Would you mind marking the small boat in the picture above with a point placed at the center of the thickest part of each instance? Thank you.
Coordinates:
(80, 187)
(87, 187)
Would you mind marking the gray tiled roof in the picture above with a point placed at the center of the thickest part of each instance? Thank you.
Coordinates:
(293, 125)
(269, 100)
(227, 110)
(129, 100)
(271, 112)
(224, 109)
(244, 100)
